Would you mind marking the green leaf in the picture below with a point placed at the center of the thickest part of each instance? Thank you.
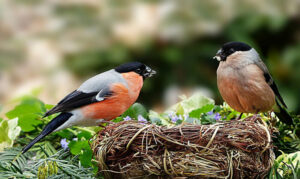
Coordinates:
(83, 149)
(84, 134)
(27, 106)
(198, 112)
(9, 130)
(29, 112)
(286, 165)
(77, 147)
(135, 110)
(65, 134)
(193, 103)
(118, 119)
(86, 158)
(233, 114)
(49, 106)
(159, 118)
(207, 119)
(28, 122)
(192, 120)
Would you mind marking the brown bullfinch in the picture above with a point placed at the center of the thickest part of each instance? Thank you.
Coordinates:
(99, 99)
(245, 82)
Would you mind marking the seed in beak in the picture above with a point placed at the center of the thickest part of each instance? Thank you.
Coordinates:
(217, 58)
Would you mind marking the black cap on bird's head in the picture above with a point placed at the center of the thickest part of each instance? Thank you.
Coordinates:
(229, 48)
(136, 67)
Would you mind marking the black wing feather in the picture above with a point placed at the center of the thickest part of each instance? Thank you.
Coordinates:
(270, 81)
(78, 99)
(274, 87)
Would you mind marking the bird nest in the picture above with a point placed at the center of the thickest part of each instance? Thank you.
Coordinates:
(235, 149)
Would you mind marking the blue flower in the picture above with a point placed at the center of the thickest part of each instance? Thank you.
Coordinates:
(127, 118)
(170, 115)
(64, 144)
(217, 116)
(174, 118)
(210, 113)
(141, 119)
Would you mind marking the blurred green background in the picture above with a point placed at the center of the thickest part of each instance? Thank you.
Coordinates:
(48, 48)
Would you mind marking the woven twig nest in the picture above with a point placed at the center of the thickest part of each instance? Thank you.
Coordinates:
(235, 149)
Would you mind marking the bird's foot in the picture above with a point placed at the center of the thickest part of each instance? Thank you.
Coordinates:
(239, 117)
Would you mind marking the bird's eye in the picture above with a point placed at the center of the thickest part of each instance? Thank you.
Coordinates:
(231, 50)
(138, 70)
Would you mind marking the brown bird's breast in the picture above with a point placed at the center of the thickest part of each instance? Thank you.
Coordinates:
(245, 89)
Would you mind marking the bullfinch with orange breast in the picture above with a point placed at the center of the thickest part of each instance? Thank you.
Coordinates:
(99, 99)
(245, 82)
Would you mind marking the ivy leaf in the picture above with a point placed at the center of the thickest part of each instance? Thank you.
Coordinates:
(83, 149)
(135, 110)
(198, 112)
(77, 147)
(29, 112)
(28, 122)
(84, 134)
(86, 158)
(207, 119)
(65, 134)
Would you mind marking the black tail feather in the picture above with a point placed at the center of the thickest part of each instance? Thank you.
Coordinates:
(50, 127)
(284, 116)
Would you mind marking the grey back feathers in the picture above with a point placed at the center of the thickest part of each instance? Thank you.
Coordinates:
(101, 81)
(253, 57)
(93, 90)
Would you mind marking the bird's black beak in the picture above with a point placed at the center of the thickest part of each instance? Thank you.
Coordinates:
(219, 56)
(149, 72)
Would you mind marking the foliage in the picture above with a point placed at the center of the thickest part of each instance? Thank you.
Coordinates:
(67, 153)
(286, 166)
(29, 112)
(60, 165)
(9, 130)
(287, 138)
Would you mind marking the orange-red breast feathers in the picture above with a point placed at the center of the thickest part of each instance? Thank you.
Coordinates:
(123, 97)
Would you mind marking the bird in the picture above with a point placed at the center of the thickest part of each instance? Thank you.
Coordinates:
(245, 83)
(99, 99)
